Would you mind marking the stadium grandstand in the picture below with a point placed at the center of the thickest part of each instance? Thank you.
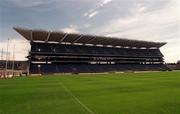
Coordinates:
(59, 52)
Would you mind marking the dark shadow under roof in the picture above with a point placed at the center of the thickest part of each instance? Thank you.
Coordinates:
(61, 37)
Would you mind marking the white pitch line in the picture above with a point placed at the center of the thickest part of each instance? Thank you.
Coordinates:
(77, 100)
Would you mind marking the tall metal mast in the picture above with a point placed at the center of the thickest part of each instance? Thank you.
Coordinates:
(13, 60)
(6, 67)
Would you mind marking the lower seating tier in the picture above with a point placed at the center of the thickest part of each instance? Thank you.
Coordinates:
(93, 68)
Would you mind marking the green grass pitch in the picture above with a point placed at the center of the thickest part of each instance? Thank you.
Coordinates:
(127, 93)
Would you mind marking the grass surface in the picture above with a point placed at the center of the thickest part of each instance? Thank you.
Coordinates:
(128, 93)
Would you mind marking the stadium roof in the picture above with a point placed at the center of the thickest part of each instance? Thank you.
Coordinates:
(73, 38)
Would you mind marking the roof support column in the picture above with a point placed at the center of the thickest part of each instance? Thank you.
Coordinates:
(31, 36)
(63, 37)
(77, 39)
(49, 33)
(90, 40)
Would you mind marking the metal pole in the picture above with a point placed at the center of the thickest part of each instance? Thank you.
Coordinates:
(13, 60)
(6, 67)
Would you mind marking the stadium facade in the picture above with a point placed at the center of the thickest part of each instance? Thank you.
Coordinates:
(59, 52)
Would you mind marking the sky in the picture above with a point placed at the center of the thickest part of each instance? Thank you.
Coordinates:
(150, 20)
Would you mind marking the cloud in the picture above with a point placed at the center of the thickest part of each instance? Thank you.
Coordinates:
(105, 2)
(87, 25)
(161, 24)
(94, 11)
(28, 3)
(92, 14)
(142, 22)
(169, 51)
(36, 5)
(71, 29)
(140, 7)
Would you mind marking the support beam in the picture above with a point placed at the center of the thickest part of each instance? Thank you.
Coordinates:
(101, 42)
(77, 39)
(31, 35)
(90, 40)
(49, 33)
(63, 37)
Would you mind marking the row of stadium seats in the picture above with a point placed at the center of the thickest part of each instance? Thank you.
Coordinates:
(87, 68)
(94, 50)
